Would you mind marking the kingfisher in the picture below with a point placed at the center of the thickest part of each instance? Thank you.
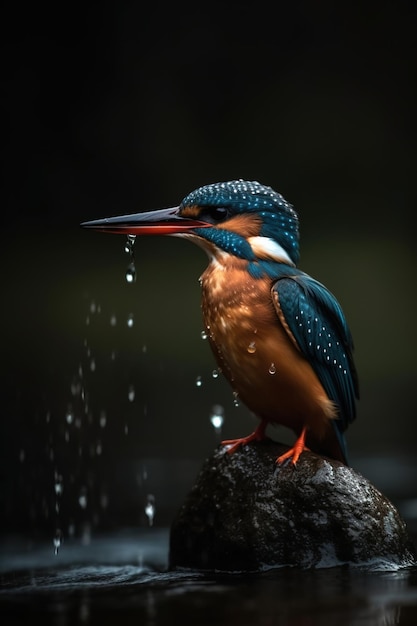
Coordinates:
(279, 336)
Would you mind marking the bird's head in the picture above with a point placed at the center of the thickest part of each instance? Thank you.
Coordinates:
(240, 218)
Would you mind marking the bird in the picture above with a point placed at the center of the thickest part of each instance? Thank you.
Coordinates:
(278, 335)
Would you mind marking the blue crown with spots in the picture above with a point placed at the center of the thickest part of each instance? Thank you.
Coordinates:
(279, 219)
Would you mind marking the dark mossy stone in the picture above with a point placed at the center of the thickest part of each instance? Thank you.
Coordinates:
(245, 513)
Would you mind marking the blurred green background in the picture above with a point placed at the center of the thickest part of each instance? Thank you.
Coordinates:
(116, 108)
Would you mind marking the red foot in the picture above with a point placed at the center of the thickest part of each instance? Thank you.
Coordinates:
(257, 435)
(294, 453)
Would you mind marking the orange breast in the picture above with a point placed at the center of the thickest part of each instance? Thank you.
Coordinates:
(255, 353)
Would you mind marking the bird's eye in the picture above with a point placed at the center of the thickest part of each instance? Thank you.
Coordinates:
(216, 213)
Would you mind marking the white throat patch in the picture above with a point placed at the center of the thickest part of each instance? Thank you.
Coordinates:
(267, 248)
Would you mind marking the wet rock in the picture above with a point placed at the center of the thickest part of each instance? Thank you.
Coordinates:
(244, 513)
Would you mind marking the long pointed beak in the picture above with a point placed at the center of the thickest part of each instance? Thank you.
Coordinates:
(160, 222)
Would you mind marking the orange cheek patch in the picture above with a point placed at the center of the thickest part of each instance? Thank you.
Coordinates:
(244, 225)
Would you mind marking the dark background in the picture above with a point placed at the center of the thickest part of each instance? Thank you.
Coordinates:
(117, 108)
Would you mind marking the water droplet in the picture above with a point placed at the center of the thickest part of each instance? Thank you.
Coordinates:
(130, 242)
(131, 393)
(130, 320)
(93, 307)
(103, 419)
(217, 417)
(57, 541)
(93, 365)
(236, 398)
(113, 320)
(76, 387)
(104, 500)
(204, 334)
(251, 347)
(198, 381)
(22, 455)
(272, 368)
(131, 273)
(215, 373)
(69, 416)
(82, 499)
(150, 508)
(59, 485)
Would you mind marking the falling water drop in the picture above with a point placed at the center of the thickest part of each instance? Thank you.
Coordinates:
(103, 419)
(236, 398)
(82, 498)
(59, 485)
(150, 508)
(57, 540)
(131, 393)
(217, 417)
(272, 368)
(198, 381)
(204, 334)
(69, 416)
(104, 500)
(76, 387)
(130, 242)
(215, 373)
(113, 320)
(130, 320)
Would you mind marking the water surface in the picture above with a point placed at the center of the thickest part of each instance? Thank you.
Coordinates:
(124, 578)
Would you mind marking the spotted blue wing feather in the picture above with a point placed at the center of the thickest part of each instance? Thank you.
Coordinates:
(319, 328)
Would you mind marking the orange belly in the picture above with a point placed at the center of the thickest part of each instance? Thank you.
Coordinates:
(256, 354)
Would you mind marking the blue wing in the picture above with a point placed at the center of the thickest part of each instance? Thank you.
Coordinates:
(319, 328)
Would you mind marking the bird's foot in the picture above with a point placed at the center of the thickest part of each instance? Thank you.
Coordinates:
(257, 435)
(294, 453)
